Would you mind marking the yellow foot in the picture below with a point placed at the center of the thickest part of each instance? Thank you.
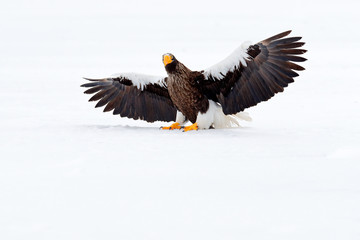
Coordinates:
(172, 127)
(191, 127)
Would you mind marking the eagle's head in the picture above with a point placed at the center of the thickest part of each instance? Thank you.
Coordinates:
(170, 62)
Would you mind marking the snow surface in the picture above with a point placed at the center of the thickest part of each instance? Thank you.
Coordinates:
(69, 171)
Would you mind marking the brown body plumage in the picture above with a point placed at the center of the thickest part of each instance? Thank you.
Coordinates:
(184, 90)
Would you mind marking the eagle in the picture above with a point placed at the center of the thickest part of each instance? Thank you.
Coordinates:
(212, 98)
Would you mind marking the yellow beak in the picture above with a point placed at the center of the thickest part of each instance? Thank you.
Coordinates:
(167, 59)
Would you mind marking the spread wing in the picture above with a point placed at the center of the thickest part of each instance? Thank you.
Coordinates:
(254, 73)
(134, 96)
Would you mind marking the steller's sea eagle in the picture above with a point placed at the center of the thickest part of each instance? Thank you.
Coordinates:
(212, 98)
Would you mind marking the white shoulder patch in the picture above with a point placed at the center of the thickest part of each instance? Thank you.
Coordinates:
(229, 63)
(141, 80)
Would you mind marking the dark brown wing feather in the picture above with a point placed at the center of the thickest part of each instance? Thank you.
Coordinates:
(269, 70)
(152, 103)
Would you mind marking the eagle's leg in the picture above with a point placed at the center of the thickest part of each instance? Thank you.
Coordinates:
(179, 122)
(172, 126)
(191, 127)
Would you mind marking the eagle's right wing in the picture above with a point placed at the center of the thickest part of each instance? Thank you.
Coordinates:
(134, 96)
(254, 73)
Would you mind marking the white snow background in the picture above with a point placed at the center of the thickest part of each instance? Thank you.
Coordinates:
(69, 171)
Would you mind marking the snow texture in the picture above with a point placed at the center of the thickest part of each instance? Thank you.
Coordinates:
(70, 171)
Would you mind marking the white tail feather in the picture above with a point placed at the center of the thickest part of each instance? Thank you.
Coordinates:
(227, 121)
(216, 118)
(244, 116)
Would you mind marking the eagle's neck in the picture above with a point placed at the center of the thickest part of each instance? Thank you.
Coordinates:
(180, 71)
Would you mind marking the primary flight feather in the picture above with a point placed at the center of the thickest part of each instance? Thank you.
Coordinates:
(211, 98)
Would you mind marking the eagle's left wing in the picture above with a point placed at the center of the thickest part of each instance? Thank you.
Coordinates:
(134, 96)
(253, 73)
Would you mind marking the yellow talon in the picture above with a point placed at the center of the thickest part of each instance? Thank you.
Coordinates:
(191, 127)
(172, 126)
